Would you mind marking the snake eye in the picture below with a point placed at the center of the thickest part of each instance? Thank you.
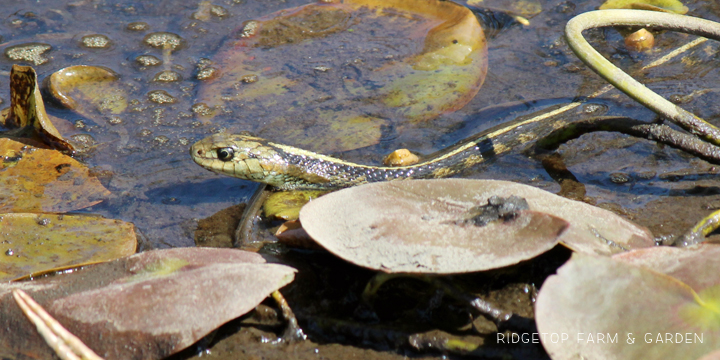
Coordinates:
(225, 154)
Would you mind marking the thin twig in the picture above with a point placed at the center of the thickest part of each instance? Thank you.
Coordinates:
(66, 345)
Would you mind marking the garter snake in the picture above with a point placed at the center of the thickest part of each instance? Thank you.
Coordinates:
(289, 168)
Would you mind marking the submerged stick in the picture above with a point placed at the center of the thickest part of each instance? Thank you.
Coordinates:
(659, 133)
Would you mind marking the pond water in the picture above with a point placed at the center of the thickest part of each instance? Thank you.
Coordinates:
(142, 155)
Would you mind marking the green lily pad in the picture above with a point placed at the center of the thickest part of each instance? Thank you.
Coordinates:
(327, 76)
(146, 306)
(673, 6)
(35, 243)
(43, 180)
(608, 309)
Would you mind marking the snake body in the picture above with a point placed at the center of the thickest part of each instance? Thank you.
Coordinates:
(290, 168)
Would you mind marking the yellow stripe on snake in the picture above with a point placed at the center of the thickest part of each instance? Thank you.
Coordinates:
(289, 168)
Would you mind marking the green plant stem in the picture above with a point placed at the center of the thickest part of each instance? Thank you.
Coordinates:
(623, 81)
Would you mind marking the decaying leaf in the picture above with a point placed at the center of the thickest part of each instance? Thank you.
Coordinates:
(43, 180)
(35, 243)
(146, 306)
(601, 308)
(28, 110)
(421, 226)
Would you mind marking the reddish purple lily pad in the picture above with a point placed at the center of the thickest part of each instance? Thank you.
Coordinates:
(146, 306)
(601, 308)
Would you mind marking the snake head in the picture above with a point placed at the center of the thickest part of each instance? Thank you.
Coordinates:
(242, 156)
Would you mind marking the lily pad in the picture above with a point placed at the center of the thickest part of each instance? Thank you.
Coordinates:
(36, 243)
(27, 109)
(319, 67)
(672, 6)
(43, 180)
(601, 308)
(426, 227)
(286, 204)
(146, 306)
(87, 90)
(369, 225)
(696, 266)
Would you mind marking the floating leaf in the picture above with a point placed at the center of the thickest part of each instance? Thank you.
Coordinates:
(367, 225)
(672, 6)
(286, 204)
(420, 226)
(328, 66)
(28, 110)
(696, 266)
(35, 243)
(42, 180)
(146, 306)
(600, 308)
(88, 89)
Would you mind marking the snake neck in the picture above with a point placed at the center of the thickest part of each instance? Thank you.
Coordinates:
(316, 171)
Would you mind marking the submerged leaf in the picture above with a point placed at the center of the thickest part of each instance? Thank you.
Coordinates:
(42, 180)
(146, 306)
(420, 226)
(339, 71)
(601, 308)
(671, 6)
(36, 243)
(87, 89)
(28, 110)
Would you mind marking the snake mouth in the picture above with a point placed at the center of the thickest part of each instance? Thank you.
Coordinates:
(199, 153)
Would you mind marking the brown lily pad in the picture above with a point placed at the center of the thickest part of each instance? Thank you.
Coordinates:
(146, 306)
(36, 243)
(27, 109)
(426, 227)
(321, 68)
(601, 308)
(43, 180)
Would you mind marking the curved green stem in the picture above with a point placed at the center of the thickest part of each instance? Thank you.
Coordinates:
(623, 81)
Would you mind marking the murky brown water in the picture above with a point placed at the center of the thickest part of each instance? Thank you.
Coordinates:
(156, 186)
